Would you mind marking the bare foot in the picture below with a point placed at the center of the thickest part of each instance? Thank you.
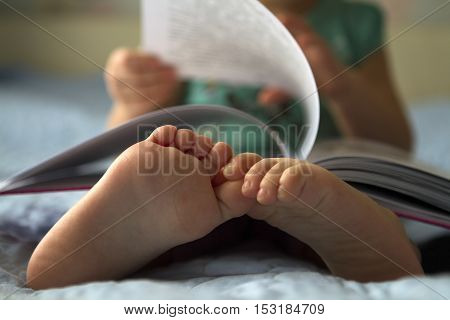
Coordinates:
(356, 238)
(158, 194)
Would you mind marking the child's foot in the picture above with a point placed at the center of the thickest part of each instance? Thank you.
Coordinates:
(356, 238)
(158, 194)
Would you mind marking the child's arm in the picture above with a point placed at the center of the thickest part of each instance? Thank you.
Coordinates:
(362, 99)
(139, 83)
(365, 104)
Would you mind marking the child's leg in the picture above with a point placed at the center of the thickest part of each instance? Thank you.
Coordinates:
(356, 238)
(157, 195)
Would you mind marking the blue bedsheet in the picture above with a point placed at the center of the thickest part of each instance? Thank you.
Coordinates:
(41, 115)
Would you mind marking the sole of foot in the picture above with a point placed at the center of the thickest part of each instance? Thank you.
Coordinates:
(160, 193)
(356, 238)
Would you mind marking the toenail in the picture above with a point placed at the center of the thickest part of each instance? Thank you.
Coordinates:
(262, 193)
(228, 171)
(247, 185)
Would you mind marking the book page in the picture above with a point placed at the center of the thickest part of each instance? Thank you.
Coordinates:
(377, 166)
(233, 41)
(341, 150)
(75, 168)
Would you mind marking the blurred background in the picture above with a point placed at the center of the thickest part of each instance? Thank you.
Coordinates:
(420, 58)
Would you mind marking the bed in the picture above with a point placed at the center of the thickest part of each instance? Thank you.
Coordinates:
(41, 115)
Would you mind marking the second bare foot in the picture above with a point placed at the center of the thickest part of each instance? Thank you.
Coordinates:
(356, 238)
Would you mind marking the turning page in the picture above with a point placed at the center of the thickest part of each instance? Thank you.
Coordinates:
(80, 167)
(234, 41)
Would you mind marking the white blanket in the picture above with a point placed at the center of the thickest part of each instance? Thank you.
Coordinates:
(41, 117)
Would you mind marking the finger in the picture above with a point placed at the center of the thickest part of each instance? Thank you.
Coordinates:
(310, 40)
(273, 96)
(295, 24)
(133, 60)
(130, 79)
(138, 95)
(149, 95)
(144, 63)
(324, 64)
(139, 62)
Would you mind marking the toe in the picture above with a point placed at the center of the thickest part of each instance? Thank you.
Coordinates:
(202, 146)
(310, 185)
(189, 142)
(218, 157)
(268, 188)
(292, 182)
(255, 175)
(164, 136)
(240, 165)
(185, 140)
(236, 169)
(232, 203)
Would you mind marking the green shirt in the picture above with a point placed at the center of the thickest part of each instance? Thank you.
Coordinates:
(352, 31)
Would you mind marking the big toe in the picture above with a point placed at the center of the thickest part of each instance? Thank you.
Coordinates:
(232, 203)
(240, 165)
(217, 158)
(189, 142)
(164, 136)
(237, 168)
(312, 186)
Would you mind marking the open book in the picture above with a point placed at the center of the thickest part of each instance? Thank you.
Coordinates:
(244, 43)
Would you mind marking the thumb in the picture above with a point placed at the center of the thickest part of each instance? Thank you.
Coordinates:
(273, 96)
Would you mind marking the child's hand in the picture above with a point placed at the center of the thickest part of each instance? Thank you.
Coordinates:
(323, 63)
(363, 101)
(139, 83)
